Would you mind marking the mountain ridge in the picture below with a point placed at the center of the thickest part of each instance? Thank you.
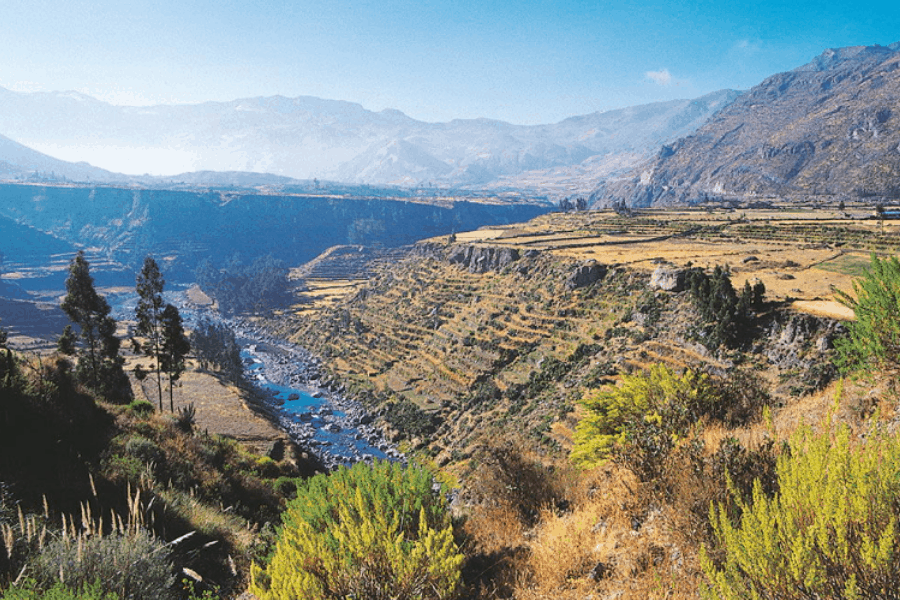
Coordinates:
(308, 137)
(826, 130)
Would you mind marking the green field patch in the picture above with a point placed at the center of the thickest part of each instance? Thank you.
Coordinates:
(846, 264)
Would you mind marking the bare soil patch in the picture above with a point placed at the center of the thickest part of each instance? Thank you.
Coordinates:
(221, 407)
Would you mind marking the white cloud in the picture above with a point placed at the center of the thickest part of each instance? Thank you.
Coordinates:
(661, 77)
(747, 46)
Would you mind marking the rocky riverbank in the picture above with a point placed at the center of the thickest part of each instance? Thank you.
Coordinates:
(281, 363)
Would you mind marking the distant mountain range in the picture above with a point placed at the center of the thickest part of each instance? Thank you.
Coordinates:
(829, 129)
(20, 162)
(305, 138)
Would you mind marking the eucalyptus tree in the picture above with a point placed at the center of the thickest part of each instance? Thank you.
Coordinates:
(100, 363)
(149, 286)
(175, 347)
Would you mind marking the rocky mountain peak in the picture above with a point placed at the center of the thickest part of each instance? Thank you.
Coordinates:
(827, 130)
(835, 57)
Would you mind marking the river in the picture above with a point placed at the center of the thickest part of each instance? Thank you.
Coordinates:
(313, 411)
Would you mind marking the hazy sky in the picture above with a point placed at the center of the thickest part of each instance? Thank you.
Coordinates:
(522, 61)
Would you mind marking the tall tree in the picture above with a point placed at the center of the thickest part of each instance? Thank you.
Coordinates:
(90, 311)
(175, 347)
(149, 309)
(99, 363)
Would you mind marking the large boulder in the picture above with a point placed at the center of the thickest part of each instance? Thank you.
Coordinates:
(481, 259)
(585, 274)
(668, 278)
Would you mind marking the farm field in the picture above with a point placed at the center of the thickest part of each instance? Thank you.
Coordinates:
(800, 255)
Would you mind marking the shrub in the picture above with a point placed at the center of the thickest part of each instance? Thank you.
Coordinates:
(285, 486)
(743, 397)
(409, 418)
(141, 407)
(266, 467)
(130, 565)
(640, 421)
(873, 339)
(143, 449)
(831, 531)
(58, 592)
(364, 532)
(186, 418)
(507, 476)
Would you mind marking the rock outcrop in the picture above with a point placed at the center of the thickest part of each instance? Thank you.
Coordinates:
(475, 258)
(668, 278)
(585, 274)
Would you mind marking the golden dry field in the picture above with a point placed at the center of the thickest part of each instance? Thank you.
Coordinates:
(798, 254)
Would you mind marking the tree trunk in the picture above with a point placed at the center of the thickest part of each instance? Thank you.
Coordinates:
(159, 385)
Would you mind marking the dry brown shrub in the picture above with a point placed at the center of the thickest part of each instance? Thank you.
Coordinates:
(572, 552)
(506, 495)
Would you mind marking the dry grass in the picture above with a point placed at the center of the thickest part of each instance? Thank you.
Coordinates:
(799, 253)
(221, 407)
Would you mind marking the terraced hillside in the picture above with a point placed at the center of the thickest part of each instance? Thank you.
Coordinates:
(508, 327)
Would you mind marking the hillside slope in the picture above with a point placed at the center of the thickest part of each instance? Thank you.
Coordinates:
(828, 130)
(455, 340)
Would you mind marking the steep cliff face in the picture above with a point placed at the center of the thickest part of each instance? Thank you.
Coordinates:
(828, 129)
(120, 226)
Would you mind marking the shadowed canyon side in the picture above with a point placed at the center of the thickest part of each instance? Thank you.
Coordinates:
(119, 226)
(827, 130)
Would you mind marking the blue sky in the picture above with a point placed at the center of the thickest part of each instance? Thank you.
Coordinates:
(525, 62)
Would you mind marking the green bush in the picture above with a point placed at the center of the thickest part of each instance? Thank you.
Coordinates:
(640, 421)
(285, 486)
(117, 467)
(143, 449)
(141, 407)
(370, 532)
(58, 592)
(873, 339)
(831, 530)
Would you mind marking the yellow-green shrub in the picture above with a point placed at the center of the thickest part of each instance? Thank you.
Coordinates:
(642, 419)
(374, 532)
(829, 532)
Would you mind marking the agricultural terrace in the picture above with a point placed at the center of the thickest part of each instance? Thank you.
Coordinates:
(799, 254)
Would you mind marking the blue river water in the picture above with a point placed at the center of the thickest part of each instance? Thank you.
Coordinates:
(331, 432)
